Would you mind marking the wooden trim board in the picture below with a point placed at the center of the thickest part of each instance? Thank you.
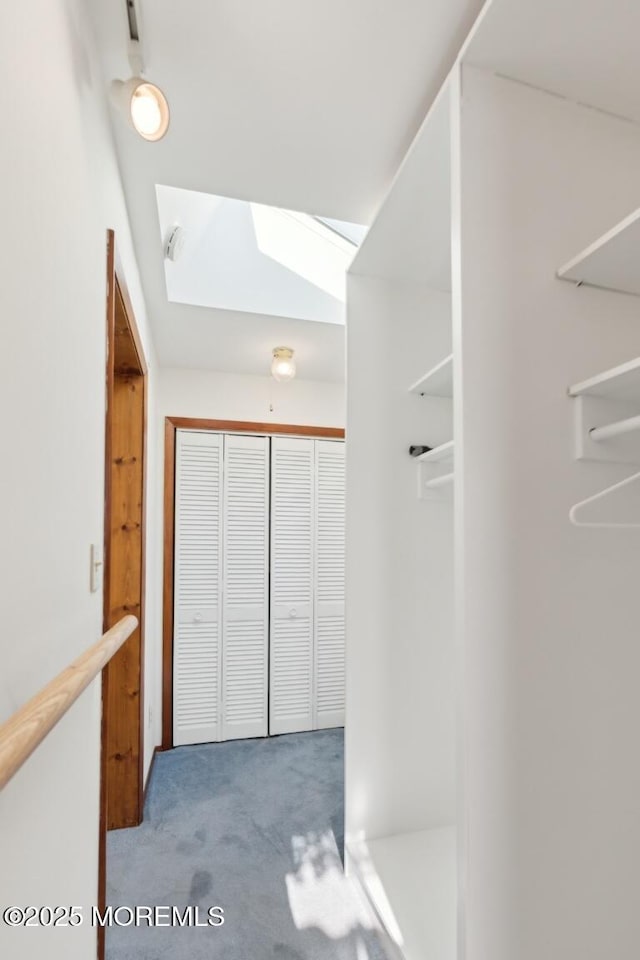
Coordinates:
(122, 728)
(248, 426)
(124, 594)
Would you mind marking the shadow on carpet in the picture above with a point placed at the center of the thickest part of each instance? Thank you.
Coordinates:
(252, 826)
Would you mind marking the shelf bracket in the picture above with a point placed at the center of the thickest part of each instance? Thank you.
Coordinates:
(591, 412)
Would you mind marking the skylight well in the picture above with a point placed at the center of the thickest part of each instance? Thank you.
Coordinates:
(306, 246)
(254, 258)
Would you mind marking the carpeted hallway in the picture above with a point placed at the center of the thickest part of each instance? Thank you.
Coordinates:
(253, 826)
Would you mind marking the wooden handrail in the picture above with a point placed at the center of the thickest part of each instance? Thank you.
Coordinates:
(29, 725)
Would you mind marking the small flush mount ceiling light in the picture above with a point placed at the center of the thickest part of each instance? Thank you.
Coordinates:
(283, 366)
(145, 107)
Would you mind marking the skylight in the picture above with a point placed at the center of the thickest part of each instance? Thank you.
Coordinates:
(254, 258)
(350, 231)
(305, 245)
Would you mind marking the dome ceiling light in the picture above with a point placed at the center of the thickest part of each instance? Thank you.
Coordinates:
(283, 366)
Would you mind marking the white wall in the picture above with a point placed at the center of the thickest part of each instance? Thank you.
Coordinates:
(400, 738)
(227, 396)
(224, 396)
(61, 190)
(551, 612)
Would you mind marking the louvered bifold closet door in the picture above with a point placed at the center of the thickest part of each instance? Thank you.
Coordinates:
(329, 584)
(198, 581)
(291, 657)
(246, 585)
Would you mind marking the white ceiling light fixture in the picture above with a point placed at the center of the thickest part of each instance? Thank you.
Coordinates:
(283, 366)
(144, 105)
(142, 102)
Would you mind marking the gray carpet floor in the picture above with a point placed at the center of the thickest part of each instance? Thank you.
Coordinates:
(253, 826)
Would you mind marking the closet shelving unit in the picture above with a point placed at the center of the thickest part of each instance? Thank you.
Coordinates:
(401, 842)
(607, 405)
(442, 480)
(443, 453)
(607, 415)
(548, 613)
(437, 382)
(607, 425)
(611, 261)
(544, 647)
(434, 707)
(436, 470)
(619, 383)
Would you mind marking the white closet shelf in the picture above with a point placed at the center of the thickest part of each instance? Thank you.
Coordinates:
(611, 261)
(410, 880)
(618, 383)
(437, 382)
(444, 480)
(440, 454)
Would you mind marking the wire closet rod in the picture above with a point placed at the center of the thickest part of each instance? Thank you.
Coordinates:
(615, 429)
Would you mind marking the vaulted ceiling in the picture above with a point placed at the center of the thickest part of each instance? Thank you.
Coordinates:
(304, 105)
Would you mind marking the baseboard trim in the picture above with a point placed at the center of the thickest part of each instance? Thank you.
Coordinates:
(354, 870)
(149, 775)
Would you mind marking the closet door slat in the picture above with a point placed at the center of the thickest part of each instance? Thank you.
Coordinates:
(246, 584)
(197, 589)
(291, 656)
(329, 631)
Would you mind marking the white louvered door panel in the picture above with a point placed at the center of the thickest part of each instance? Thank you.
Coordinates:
(329, 584)
(245, 622)
(198, 582)
(291, 656)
